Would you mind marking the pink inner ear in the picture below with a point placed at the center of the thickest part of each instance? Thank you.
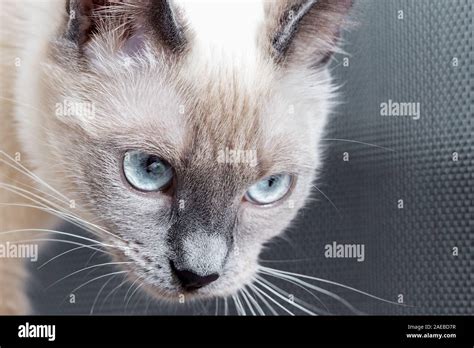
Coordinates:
(134, 44)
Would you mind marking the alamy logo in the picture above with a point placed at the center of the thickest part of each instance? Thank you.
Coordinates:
(392, 108)
(19, 251)
(238, 156)
(68, 108)
(37, 331)
(345, 251)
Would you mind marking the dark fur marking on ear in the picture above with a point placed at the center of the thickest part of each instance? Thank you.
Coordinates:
(289, 23)
(80, 25)
(73, 27)
(165, 23)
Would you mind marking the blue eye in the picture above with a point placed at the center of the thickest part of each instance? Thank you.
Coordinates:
(270, 189)
(146, 172)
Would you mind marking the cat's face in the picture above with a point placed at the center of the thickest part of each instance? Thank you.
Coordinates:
(191, 156)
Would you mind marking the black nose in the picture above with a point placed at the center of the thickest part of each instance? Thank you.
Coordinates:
(192, 281)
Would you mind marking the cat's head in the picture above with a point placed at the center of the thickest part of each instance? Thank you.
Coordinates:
(190, 132)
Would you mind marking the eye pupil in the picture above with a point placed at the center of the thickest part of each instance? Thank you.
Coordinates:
(271, 181)
(155, 167)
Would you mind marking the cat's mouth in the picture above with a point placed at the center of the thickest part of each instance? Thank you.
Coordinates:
(169, 288)
(166, 281)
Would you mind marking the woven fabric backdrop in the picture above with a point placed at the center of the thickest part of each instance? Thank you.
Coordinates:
(424, 58)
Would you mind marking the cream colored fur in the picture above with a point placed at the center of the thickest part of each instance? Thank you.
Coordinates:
(20, 56)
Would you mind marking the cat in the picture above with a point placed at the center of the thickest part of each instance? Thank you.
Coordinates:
(115, 116)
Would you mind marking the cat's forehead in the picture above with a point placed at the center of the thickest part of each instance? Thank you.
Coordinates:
(225, 99)
(203, 114)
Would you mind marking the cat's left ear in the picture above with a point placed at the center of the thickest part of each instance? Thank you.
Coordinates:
(88, 19)
(83, 20)
(304, 33)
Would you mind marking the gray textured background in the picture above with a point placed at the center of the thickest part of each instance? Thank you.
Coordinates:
(408, 251)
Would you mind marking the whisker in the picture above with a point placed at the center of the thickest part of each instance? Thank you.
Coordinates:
(237, 299)
(321, 290)
(239, 306)
(54, 212)
(332, 283)
(273, 300)
(139, 300)
(30, 174)
(130, 288)
(56, 240)
(86, 268)
(31, 187)
(29, 195)
(309, 292)
(133, 293)
(203, 308)
(113, 291)
(240, 303)
(75, 219)
(97, 278)
(274, 312)
(147, 307)
(318, 310)
(287, 261)
(98, 294)
(270, 287)
(91, 257)
(92, 280)
(236, 307)
(328, 199)
(359, 142)
(58, 232)
(248, 303)
(254, 301)
(59, 211)
(71, 250)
